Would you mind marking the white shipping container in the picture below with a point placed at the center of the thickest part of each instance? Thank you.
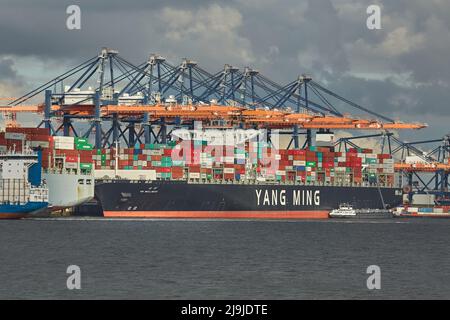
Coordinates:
(71, 165)
(194, 175)
(64, 146)
(324, 137)
(14, 136)
(423, 199)
(63, 139)
(229, 159)
(156, 152)
(228, 170)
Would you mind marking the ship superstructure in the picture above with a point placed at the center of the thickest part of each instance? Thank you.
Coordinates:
(22, 191)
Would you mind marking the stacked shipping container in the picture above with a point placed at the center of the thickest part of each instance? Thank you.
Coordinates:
(251, 161)
(197, 160)
(57, 151)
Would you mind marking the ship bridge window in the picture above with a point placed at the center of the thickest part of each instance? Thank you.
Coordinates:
(80, 181)
(88, 181)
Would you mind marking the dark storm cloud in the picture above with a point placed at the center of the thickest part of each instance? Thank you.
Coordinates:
(6, 69)
(401, 71)
(38, 28)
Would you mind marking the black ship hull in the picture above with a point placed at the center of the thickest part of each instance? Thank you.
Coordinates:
(179, 199)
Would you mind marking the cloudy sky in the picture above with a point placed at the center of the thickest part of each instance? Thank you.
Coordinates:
(401, 71)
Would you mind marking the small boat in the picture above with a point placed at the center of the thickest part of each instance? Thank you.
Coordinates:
(344, 211)
(347, 211)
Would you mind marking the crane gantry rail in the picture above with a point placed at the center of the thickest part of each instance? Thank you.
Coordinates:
(235, 115)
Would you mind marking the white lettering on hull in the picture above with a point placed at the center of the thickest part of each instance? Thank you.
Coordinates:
(279, 197)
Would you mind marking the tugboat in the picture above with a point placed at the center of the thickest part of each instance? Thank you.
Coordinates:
(347, 211)
(22, 192)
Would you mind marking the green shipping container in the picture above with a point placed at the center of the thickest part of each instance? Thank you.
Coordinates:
(84, 147)
(81, 140)
(86, 166)
(310, 163)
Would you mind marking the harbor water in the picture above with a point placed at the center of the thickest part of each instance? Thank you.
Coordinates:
(224, 259)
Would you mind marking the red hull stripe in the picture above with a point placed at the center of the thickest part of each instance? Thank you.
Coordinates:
(12, 215)
(219, 214)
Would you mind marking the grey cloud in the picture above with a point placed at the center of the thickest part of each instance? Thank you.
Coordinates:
(6, 69)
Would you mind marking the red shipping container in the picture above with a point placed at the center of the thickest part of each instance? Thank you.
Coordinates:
(228, 176)
(71, 159)
(194, 168)
(33, 131)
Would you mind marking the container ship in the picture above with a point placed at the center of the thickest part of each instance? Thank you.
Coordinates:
(194, 179)
(22, 192)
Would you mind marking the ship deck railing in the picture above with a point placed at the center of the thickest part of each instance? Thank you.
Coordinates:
(66, 171)
(256, 182)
